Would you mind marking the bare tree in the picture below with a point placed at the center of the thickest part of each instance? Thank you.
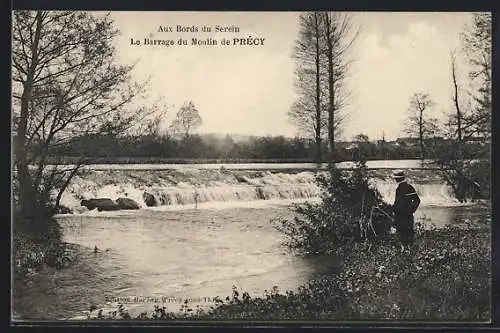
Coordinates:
(65, 84)
(307, 113)
(339, 37)
(310, 118)
(154, 124)
(456, 102)
(187, 119)
(459, 124)
(419, 124)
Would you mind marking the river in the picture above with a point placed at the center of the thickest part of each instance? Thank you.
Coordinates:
(174, 252)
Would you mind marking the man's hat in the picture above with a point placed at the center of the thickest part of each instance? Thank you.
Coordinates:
(398, 174)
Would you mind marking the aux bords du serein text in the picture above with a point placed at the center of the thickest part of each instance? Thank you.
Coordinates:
(199, 40)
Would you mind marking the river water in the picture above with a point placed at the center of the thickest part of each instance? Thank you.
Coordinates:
(168, 256)
(171, 253)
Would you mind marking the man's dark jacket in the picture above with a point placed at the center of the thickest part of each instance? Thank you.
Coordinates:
(406, 201)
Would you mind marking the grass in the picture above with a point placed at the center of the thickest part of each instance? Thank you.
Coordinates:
(446, 277)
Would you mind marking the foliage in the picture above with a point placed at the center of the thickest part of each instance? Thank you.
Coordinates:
(477, 46)
(469, 178)
(445, 277)
(342, 216)
(104, 148)
(187, 119)
(37, 244)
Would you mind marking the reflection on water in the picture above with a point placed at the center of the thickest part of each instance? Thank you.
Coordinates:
(179, 255)
(440, 216)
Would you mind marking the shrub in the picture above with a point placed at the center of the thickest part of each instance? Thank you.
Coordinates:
(344, 214)
(467, 170)
(37, 241)
(468, 179)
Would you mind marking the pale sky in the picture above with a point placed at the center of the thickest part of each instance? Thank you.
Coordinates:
(249, 89)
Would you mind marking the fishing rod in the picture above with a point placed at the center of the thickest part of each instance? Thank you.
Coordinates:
(384, 212)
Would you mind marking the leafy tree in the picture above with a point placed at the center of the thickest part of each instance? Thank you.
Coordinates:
(187, 119)
(361, 138)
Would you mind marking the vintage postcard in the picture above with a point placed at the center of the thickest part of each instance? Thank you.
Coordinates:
(251, 166)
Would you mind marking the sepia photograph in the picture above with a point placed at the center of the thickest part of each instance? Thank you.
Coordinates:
(272, 167)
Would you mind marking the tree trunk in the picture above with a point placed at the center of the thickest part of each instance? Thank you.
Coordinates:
(457, 108)
(421, 134)
(27, 195)
(331, 91)
(319, 155)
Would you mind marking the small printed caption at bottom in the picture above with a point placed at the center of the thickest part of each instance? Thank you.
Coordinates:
(159, 299)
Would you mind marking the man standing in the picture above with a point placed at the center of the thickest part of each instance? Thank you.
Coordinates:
(405, 204)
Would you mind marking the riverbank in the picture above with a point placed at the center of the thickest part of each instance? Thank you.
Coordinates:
(445, 278)
(34, 252)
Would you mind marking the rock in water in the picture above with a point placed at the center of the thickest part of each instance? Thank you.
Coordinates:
(103, 204)
(149, 199)
(127, 203)
(241, 179)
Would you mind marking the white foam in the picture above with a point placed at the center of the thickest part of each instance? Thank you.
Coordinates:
(191, 192)
(381, 164)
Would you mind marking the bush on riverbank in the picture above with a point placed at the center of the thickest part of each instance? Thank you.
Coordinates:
(343, 216)
(36, 242)
(469, 178)
(446, 277)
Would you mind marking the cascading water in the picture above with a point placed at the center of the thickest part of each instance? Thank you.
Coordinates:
(191, 187)
(431, 194)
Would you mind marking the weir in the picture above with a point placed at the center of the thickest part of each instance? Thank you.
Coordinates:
(192, 187)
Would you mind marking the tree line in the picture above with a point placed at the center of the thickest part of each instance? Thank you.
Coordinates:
(146, 148)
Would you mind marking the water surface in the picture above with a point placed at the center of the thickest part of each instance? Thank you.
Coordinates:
(173, 255)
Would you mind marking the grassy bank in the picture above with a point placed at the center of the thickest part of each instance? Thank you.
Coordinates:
(34, 249)
(445, 278)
